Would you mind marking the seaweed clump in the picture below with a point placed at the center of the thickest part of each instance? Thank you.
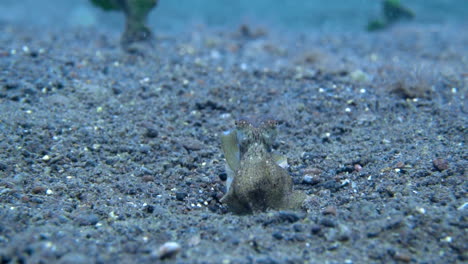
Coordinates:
(411, 81)
(392, 11)
(256, 182)
(136, 13)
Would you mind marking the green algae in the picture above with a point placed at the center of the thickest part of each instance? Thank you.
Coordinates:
(136, 13)
(392, 11)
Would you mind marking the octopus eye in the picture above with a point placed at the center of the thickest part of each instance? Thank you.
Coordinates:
(241, 123)
(270, 123)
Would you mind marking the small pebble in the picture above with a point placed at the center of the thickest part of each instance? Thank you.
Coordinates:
(168, 250)
(194, 240)
(373, 231)
(192, 144)
(357, 167)
(151, 132)
(145, 149)
(147, 178)
(39, 190)
(297, 238)
(3, 166)
(359, 76)
(440, 164)
(148, 208)
(309, 179)
(285, 216)
(86, 219)
(330, 210)
(206, 179)
(327, 222)
(35, 199)
(344, 233)
(278, 235)
(315, 229)
(223, 176)
(463, 206)
(333, 246)
(298, 228)
(402, 257)
(180, 196)
(400, 165)
(313, 171)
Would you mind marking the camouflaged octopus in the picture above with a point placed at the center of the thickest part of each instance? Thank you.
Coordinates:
(255, 181)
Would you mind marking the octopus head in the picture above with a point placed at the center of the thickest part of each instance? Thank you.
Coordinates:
(259, 131)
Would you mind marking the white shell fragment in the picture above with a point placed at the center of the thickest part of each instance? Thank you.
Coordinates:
(168, 250)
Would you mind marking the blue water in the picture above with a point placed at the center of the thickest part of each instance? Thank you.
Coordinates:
(179, 14)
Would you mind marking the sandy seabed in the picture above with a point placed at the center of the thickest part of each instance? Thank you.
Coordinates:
(105, 156)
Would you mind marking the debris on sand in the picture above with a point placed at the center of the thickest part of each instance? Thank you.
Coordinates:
(168, 250)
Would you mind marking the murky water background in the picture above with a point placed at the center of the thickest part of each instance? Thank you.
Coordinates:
(177, 15)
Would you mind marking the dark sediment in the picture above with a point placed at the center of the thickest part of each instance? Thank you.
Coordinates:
(106, 156)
